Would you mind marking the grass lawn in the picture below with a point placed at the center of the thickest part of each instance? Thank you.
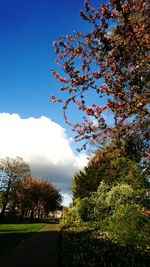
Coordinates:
(11, 234)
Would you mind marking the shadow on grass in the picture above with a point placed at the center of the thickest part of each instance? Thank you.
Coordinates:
(8, 240)
(30, 249)
(10, 219)
(86, 249)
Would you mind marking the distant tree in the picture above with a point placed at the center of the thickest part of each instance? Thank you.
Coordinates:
(52, 198)
(37, 196)
(12, 170)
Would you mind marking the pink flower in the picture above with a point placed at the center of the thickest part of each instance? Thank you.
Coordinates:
(103, 85)
(96, 74)
(59, 78)
(99, 110)
(89, 111)
(60, 56)
(53, 99)
(78, 103)
(91, 123)
(139, 105)
(62, 79)
(54, 43)
(80, 131)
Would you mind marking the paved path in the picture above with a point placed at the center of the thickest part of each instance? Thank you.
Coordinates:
(39, 250)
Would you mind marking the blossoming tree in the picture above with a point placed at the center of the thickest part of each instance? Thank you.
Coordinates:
(112, 61)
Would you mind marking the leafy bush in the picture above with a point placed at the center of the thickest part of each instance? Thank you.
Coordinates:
(119, 194)
(82, 246)
(71, 217)
(126, 227)
(106, 229)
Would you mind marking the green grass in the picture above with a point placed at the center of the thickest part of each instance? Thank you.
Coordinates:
(11, 234)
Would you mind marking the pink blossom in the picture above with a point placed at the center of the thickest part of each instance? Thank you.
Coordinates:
(78, 103)
(89, 111)
(80, 131)
(53, 99)
(59, 78)
(91, 123)
(60, 56)
(54, 43)
(62, 79)
(103, 85)
(96, 74)
(139, 105)
(99, 110)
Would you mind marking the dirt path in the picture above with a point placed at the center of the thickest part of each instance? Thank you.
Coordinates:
(39, 250)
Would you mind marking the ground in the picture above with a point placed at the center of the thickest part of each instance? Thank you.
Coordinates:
(40, 250)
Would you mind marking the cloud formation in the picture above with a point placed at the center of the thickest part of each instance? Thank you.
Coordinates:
(43, 144)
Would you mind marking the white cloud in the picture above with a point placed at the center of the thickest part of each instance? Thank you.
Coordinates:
(43, 144)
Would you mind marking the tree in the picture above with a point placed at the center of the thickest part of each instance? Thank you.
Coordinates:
(111, 165)
(85, 182)
(12, 169)
(112, 61)
(36, 196)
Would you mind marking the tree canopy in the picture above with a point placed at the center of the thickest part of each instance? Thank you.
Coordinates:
(111, 165)
(12, 169)
(36, 196)
(111, 61)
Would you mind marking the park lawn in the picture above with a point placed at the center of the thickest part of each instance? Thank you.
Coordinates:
(11, 234)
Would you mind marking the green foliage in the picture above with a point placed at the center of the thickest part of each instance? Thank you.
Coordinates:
(119, 194)
(82, 246)
(86, 181)
(71, 216)
(109, 165)
(106, 229)
(126, 226)
(87, 209)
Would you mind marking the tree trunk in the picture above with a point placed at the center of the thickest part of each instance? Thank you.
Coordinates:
(5, 199)
(3, 208)
(22, 215)
(14, 209)
(5, 202)
(32, 215)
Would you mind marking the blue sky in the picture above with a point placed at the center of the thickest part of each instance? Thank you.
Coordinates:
(26, 54)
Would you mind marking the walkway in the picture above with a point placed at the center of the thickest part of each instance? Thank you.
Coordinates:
(39, 250)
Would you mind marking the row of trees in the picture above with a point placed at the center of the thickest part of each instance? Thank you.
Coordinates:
(24, 194)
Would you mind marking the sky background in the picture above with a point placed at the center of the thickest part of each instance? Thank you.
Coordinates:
(30, 126)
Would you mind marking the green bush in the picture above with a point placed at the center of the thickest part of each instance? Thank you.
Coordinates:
(119, 194)
(85, 247)
(126, 227)
(107, 229)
